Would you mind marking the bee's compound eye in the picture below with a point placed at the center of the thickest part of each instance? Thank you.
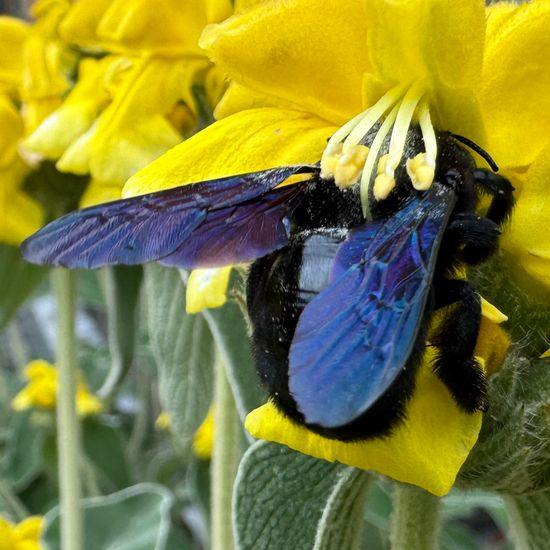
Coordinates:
(453, 178)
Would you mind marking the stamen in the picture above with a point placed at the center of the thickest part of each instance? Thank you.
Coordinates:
(349, 166)
(373, 157)
(421, 169)
(401, 126)
(372, 115)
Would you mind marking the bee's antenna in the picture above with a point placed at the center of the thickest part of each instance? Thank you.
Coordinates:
(481, 152)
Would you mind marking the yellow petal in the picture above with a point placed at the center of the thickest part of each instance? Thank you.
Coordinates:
(204, 437)
(245, 142)
(492, 345)
(29, 529)
(207, 288)
(306, 52)
(86, 403)
(76, 114)
(79, 26)
(98, 192)
(13, 33)
(418, 41)
(47, 15)
(424, 450)
(240, 98)
(218, 10)
(168, 28)
(163, 421)
(492, 313)
(20, 216)
(11, 124)
(76, 158)
(133, 130)
(517, 109)
(527, 238)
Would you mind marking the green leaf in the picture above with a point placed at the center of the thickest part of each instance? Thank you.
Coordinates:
(105, 449)
(280, 497)
(17, 280)
(341, 525)
(183, 349)
(22, 460)
(230, 332)
(137, 518)
(121, 286)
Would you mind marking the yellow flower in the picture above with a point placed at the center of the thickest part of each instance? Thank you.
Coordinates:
(41, 391)
(204, 437)
(21, 536)
(517, 115)
(120, 115)
(206, 288)
(339, 70)
(20, 215)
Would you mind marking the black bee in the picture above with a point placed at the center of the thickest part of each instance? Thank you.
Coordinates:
(340, 307)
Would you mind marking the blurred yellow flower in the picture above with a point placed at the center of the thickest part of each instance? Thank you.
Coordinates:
(21, 536)
(120, 115)
(31, 83)
(203, 441)
(206, 288)
(41, 391)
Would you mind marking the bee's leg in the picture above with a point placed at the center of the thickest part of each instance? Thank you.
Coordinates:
(500, 189)
(455, 341)
(474, 237)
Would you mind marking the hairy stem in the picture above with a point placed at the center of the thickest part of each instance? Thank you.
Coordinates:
(225, 460)
(530, 520)
(68, 429)
(415, 521)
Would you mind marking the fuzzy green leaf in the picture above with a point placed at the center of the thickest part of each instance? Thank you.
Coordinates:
(17, 280)
(183, 349)
(280, 497)
(121, 286)
(230, 332)
(341, 525)
(137, 518)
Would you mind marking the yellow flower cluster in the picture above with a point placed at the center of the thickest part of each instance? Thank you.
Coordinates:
(21, 536)
(41, 391)
(32, 63)
(134, 94)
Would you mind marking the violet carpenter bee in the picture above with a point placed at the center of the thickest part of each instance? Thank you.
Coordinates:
(340, 307)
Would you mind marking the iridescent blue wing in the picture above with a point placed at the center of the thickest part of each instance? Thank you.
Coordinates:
(354, 337)
(211, 223)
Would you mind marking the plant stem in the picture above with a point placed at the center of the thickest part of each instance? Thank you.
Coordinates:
(415, 520)
(68, 429)
(225, 460)
(13, 502)
(530, 520)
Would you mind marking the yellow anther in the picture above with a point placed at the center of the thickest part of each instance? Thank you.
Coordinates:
(385, 180)
(350, 166)
(383, 185)
(330, 159)
(421, 171)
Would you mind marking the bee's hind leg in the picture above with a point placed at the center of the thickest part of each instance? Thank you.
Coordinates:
(455, 340)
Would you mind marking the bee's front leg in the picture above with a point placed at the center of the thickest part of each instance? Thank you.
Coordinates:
(474, 237)
(455, 341)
